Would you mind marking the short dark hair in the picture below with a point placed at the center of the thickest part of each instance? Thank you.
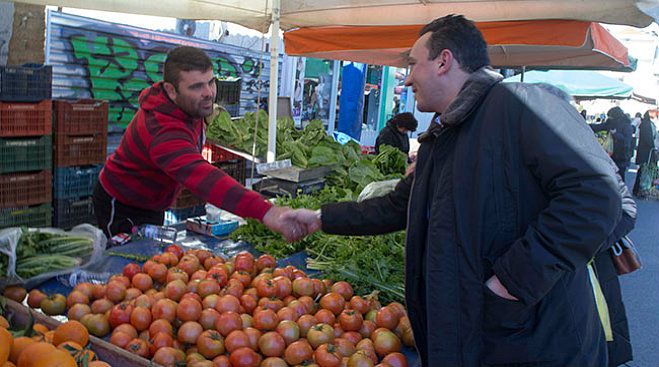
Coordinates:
(405, 120)
(461, 37)
(185, 58)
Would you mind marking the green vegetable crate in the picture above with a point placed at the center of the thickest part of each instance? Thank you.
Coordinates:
(33, 216)
(25, 154)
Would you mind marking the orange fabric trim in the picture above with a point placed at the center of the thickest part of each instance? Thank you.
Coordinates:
(318, 39)
(605, 43)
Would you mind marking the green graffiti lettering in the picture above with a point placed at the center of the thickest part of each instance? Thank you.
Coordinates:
(224, 67)
(153, 66)
(248, 65)
(110, 62)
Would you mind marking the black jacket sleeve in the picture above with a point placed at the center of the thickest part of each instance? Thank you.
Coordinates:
(379, 215)
(628, 218)
(606, 125)
(583, 200)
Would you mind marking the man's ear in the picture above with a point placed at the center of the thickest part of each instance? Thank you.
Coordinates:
(171, 90)
(444, 61)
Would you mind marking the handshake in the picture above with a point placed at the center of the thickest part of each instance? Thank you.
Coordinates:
(293, 224)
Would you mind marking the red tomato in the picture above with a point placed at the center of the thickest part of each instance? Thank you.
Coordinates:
(271, 344)
(130, 270)
(244, 357)
(176, 250)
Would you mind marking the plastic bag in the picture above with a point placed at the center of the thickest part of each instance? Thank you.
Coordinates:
(377, 189)
(9, 240)
(608, 143)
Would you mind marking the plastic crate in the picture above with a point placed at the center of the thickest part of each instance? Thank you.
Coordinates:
(68, 213)
(80, 150)
(173, 215)
(73, 182)
(187, 199)
(233, 109)
(234, 168)
(84, 116)
(24, 189)
(27, 83)
(26, 119)
(25, 154)
(35, 216)
(228, 91)
(215, 153)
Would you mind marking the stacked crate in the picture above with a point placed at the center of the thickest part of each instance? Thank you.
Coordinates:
(25, 146)
(80, 141)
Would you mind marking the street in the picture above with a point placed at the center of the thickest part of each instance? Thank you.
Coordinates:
(641, 288)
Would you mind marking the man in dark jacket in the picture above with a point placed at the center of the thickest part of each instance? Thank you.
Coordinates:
(646, 153)
(511, 198)
(621, 127)
(395, 132)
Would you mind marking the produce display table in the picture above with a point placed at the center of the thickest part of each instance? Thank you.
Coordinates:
(146, 248)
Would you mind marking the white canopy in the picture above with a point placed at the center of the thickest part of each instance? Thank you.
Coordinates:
(256, 14)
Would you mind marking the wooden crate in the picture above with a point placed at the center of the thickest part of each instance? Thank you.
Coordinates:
(107, 352)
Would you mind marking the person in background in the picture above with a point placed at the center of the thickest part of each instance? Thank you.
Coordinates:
(395, 133)
(620, 347)
(160, 153)
(584, 114)
(620, 126)
(511, 197)
(647, 149)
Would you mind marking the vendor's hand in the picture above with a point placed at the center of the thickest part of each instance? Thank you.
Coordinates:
(275, 220)
(410, 168)
(309, 219)
(495, 286)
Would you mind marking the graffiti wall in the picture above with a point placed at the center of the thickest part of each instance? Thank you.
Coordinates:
(102, 60)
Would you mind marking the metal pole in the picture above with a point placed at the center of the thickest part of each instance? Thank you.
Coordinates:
(274, 83)
(333, 96)
(521, 78)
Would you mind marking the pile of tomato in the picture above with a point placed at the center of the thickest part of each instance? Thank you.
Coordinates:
(197, 309)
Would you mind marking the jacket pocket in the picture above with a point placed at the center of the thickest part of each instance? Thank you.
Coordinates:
(504, 316)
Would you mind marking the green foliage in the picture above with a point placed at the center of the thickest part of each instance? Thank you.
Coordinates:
(367, 262)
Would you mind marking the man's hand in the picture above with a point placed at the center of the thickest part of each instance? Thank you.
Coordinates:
(495, 286)
(309, 219)
(276, 220)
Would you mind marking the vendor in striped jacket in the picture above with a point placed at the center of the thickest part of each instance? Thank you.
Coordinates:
(160, 153)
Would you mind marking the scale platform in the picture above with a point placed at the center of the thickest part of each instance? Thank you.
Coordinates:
(273, 187)
(284, 170)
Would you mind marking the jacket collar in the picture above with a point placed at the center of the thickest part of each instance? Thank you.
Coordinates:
(156, 99)
(471, 94)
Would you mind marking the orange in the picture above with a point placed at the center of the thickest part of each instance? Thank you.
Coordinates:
(40, 329)
(72, 331)
(6, 342)
(47, 358)
(3, 322)
(20, 344)
(35, 351)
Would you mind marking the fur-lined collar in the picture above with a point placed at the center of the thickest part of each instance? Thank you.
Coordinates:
(470, 96)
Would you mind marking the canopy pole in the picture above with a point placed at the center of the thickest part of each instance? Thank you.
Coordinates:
(274, 83)
(521, 78)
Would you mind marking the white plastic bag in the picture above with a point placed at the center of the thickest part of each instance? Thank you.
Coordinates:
(377, 189)
(9, 239)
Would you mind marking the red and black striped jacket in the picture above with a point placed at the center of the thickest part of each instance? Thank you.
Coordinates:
(160, 153)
